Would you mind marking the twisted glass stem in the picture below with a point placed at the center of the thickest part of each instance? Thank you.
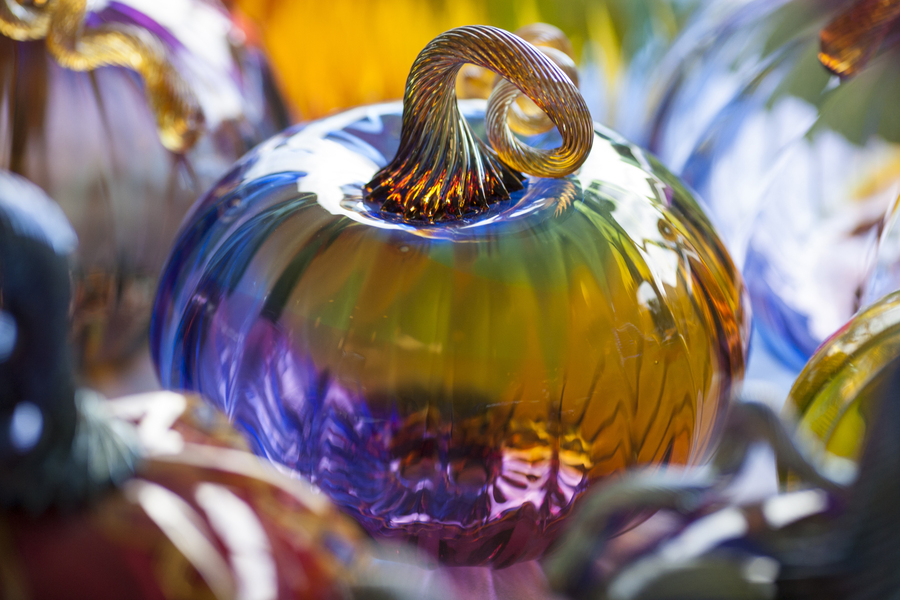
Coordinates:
(524, 117)
(442, 171)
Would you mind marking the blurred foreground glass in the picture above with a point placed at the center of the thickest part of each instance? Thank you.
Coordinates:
(91, 139)
(143, 497)
(201, 518)
(455, 360)
(833, 537)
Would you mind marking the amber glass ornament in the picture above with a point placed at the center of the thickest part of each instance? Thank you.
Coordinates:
(454, 351)
(124, 113)
(200, 518)
(831, 397)
(152, 496)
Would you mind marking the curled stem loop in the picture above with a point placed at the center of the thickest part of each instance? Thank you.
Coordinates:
(441, 170)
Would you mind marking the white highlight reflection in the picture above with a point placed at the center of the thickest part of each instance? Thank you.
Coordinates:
(706, 534)
(788, 508)
(186, 530)
(154, 414)
(243, 534)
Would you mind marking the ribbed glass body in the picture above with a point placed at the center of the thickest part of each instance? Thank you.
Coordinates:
(456, 384)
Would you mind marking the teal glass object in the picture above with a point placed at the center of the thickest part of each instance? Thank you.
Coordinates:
(461, 384)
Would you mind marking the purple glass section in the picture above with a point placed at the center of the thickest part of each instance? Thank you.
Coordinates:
(119, 12)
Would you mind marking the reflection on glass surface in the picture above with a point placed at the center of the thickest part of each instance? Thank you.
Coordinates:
(798, 168)
(90, 140)
(461, 384)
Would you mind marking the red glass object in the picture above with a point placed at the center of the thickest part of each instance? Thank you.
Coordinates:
(202, 518)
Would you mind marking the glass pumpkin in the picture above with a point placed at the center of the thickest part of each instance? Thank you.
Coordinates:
(202, 518)
(91, 140)
(455, 373)
(798, 167)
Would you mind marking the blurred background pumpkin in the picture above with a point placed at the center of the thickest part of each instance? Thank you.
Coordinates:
(798, 166)
(832, 397)
(89, 138)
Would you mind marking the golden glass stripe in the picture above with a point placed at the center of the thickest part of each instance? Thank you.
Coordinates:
(179, 118)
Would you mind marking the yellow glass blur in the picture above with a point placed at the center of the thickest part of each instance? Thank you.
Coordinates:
(343, 53)
(831, 396)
